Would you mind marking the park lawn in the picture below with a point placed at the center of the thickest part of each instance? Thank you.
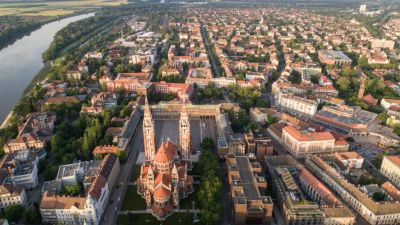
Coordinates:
(147, 218)
(132, 200)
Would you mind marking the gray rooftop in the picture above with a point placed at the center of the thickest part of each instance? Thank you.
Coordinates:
(246, 175)
(338, 55)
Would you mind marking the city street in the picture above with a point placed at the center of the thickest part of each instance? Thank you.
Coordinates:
(118, 193)
(209, 50)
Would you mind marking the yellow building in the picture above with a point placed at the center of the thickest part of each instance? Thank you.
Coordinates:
(391, 168)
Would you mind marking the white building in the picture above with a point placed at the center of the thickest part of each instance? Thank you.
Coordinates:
(387, 102)
(391, 168)
(12, 195)
(350, 159)
(302, 142)
(258, 115)
(223, 81)
(98, 179)
(20, 168)
(382, 43)
(295, 104)
(94, 55)
(376, 213)
(363, 8)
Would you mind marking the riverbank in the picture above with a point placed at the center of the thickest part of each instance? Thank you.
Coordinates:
(39, 23)
(5, 122)
(21, 65)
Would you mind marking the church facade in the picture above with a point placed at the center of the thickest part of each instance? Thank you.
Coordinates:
(163, 179)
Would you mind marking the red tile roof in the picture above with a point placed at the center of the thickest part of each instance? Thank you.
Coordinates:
(308, 136)
(391, 190)
(326, 195)
(165, 153)
(394, 159)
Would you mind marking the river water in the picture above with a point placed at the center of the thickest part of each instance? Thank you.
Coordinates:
(21, 61)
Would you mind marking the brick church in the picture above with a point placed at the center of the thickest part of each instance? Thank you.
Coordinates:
(163, 179)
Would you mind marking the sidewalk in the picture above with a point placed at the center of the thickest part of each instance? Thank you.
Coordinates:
(149, 211)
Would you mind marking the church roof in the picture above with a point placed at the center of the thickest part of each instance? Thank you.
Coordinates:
(165, 153)
(161, 192)
(165, 179)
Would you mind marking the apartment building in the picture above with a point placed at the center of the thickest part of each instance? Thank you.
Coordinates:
(382, 43)
(391, 168)
(20, 168)
(12, 195)
(331, 57)
(335, 212)
(33, 133)
(291, 200)
(301, 141)
(200, 76)
(373, 212)
(183, 91)
(347, 119)
(247, 184)
(97, 178)
(297, 105)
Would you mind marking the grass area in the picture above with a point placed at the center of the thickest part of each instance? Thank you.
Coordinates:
(195, 169)
(49, 13)
(53, 8)
(136, 173)
(132, 200)
(174, 219)
(186, 203)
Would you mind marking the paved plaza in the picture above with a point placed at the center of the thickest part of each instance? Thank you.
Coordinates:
(199, 129)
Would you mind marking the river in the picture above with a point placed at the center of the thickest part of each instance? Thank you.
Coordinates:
(21, 61)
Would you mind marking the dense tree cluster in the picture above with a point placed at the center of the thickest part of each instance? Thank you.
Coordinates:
(83, 29)
(14, 27)
(209, 194)
(20, 215)
(240, 122)
(208, 94)
(247, 97)
(75, 138)
(155, 98)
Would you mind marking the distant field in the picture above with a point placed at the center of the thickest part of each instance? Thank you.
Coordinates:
(52, 9)
(50, 13)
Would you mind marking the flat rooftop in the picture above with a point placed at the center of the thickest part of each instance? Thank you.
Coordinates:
(246, 175)
(337, 55)
(359, 117)
(67, 170)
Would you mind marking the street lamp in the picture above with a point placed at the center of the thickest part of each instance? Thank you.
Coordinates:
(195, 218)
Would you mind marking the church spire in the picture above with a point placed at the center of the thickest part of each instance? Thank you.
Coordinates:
(148, 132)
(184, 133)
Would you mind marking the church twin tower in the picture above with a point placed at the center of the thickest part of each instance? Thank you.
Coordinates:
(150, 137)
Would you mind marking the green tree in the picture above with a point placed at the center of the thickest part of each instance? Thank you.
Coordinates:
(343, 83)
(378, 196)
(295, 77)
(73, 190)
(32, 216)
(13, 213)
